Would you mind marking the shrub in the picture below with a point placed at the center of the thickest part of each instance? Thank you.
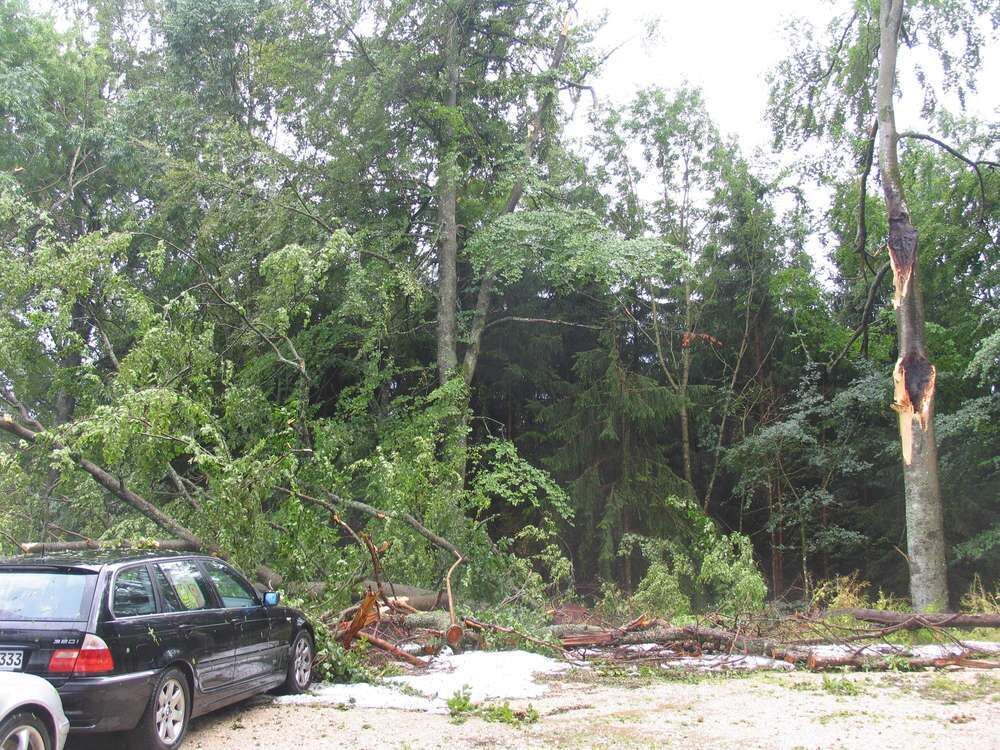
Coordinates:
(660, 594)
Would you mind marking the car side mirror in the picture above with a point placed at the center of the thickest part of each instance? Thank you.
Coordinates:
(271, 598)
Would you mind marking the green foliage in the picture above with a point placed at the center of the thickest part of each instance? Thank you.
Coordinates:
(502, 713)
(462, 708)
(715, 571)
(659, 593)
(728, 571)
(841, 686)
(218, 281)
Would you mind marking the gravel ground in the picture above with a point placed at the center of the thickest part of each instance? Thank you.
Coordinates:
(940, 710)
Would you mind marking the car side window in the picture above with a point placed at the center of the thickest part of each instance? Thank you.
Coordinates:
(233, 590)
(133, 594)
(186, 587)
(171, 602)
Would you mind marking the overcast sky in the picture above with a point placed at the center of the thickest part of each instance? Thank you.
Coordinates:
(727, 47)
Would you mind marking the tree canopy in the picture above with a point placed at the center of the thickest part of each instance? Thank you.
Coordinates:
(265, 262)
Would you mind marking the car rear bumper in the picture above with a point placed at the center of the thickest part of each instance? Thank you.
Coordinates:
(106, 704)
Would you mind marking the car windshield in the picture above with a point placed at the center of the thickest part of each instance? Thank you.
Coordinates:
(60, 595)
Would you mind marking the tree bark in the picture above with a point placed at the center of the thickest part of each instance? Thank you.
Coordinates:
(447, 340)
(909, 621)
(176, 545)
(914, 375)
(683, 391)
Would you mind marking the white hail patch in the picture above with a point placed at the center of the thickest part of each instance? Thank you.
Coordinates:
(486, 675)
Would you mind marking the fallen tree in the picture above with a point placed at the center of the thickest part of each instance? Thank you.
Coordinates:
(42, 548)
(816, 654)
(115, 485)
(909, 621)
(184, 540)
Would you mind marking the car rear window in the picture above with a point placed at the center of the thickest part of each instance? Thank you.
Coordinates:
(133, 593)
(57, 595)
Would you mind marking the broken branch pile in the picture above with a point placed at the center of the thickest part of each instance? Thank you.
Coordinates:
(656, 640)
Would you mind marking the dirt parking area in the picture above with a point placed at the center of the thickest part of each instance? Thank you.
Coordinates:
(940, 710)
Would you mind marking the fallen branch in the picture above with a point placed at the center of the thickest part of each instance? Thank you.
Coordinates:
(909, 621)
(893, 661)
(454, 632)
(477, 625)
(42, 548)
(580, 636)
(406, 518)
(113, 484)
(395, 651)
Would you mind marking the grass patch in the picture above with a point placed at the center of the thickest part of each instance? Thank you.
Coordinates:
(836, 715)
(944, 689)
(502, 713)
(616, 675)
(841, 686)
(461, 708)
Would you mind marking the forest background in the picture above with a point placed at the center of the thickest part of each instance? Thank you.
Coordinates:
(266, 259)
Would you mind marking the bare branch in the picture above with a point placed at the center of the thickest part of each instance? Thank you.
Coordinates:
(861, 240)
(863, 326)
(517, 319)
(975, 164)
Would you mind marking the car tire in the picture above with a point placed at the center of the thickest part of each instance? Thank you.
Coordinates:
(28, 729)
(165, 720)
(300, 661)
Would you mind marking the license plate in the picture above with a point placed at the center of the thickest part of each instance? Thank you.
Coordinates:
(11, 661)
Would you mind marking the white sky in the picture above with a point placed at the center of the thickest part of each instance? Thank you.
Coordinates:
(727, 47)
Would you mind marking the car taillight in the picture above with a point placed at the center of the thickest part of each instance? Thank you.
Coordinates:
(93, 657)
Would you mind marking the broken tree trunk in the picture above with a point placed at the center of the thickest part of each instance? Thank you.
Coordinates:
(909, 621)
(914, 375)
(366, 614)
(418, 598)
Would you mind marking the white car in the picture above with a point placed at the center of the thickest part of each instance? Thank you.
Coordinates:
(31, 714)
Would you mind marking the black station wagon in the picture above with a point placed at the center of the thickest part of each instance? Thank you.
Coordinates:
(142, 643)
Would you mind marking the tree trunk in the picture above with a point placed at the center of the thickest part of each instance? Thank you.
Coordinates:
(777, 542)
(485, 296)
(447, 330)
(914, 375)
(683, 391)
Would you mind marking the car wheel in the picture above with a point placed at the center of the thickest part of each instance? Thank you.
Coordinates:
(24, 731)
(165, 721)
(300, 661)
